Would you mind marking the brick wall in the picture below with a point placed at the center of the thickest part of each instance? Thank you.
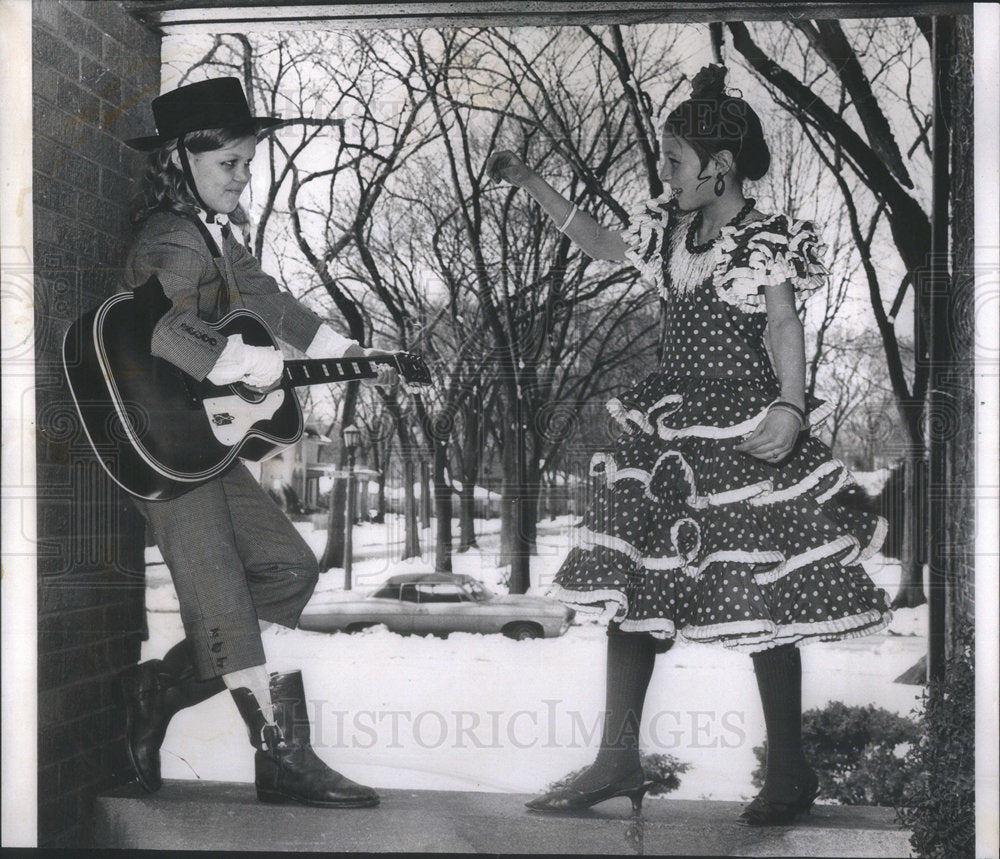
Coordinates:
(94, 72)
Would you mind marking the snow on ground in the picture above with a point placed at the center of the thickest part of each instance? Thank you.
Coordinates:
(482, 712)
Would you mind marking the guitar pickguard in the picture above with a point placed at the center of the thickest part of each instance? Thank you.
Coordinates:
(231, 417)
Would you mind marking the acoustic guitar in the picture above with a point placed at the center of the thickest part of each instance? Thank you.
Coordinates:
(159, 432)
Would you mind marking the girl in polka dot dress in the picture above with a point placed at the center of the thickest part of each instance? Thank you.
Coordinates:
(717, 520)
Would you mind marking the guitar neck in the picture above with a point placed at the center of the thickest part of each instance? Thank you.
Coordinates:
(320, 371)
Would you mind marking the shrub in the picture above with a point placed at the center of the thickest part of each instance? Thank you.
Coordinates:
(858, 753)
(939, 803)
(665, 770)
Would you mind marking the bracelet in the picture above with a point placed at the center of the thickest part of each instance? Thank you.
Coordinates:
(791, 406)
(572, 214)
(785, 406)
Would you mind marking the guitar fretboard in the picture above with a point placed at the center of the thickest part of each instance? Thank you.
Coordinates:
(318, 371)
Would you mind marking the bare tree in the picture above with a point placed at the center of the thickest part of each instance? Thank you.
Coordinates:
(538, 296)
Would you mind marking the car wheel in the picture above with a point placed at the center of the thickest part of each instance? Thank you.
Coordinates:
(522, 631)
(358, 627)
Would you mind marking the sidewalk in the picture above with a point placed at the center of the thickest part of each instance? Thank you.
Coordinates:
(199, 815)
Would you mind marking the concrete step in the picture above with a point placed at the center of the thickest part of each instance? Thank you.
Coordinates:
(200, 815)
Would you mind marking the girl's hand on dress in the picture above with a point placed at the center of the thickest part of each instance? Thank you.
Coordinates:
(508, 167)
(774, 437)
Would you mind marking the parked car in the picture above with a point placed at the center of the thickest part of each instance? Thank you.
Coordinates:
(439, 603)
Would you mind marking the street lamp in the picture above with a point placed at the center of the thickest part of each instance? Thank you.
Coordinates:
(351, 436)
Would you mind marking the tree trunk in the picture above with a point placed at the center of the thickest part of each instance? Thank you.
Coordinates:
(469, 457)
(425, 495)
(442, 508)
(380, 496)
(518, 523)
(911, 583)
(411, 539)
(333, 554)
(467, 517)
(508, 498)
(532, 501)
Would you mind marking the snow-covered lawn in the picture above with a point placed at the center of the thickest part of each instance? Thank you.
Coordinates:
(476, 712)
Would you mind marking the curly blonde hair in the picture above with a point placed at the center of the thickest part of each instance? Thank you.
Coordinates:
(163, 185)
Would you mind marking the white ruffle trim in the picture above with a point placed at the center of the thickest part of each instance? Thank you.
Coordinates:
(803, 486)
(709, 431)
(615, 603)
(589, 538)
(638, 418)
(732, 496)
(753, 636)
(878, 538)
(741, 556)
(785, 636)
(626, 416)
(758, 494)
(834, 547)
(612, 473)
(772, 256)
(643, 239)
(657, 627)
(771, 259)
(764, 634)
(813, 418)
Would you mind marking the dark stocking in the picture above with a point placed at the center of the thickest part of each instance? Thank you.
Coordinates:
(630, 665)
(779, 679)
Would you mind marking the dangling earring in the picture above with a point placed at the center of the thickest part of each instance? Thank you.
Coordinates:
(720, 185)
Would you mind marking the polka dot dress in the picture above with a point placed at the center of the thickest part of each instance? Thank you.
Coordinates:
(687, 535)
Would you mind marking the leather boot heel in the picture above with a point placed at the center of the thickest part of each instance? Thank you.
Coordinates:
(272, 796)
(136, 684)
(153, 692)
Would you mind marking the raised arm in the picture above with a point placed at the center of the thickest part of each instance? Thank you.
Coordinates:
(594, 240)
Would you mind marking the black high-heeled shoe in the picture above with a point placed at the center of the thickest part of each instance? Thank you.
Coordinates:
(767, 812)
(568, 799)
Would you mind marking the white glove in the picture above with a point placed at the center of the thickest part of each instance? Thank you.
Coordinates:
(327, 343)
(257, 366)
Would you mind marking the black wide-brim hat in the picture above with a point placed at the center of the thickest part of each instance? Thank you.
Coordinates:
(215, 103)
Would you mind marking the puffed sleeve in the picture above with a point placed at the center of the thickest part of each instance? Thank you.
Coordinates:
(645, 239)
(767, 252)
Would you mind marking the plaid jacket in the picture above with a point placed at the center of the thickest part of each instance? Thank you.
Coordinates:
(171, 247)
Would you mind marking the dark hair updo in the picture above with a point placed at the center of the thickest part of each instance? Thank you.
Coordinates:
(711, 120)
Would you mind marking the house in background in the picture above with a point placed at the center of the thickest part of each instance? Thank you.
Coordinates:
(293, 475)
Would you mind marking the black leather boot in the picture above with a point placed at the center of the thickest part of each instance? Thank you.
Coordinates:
(154, 692)
(287, 769)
